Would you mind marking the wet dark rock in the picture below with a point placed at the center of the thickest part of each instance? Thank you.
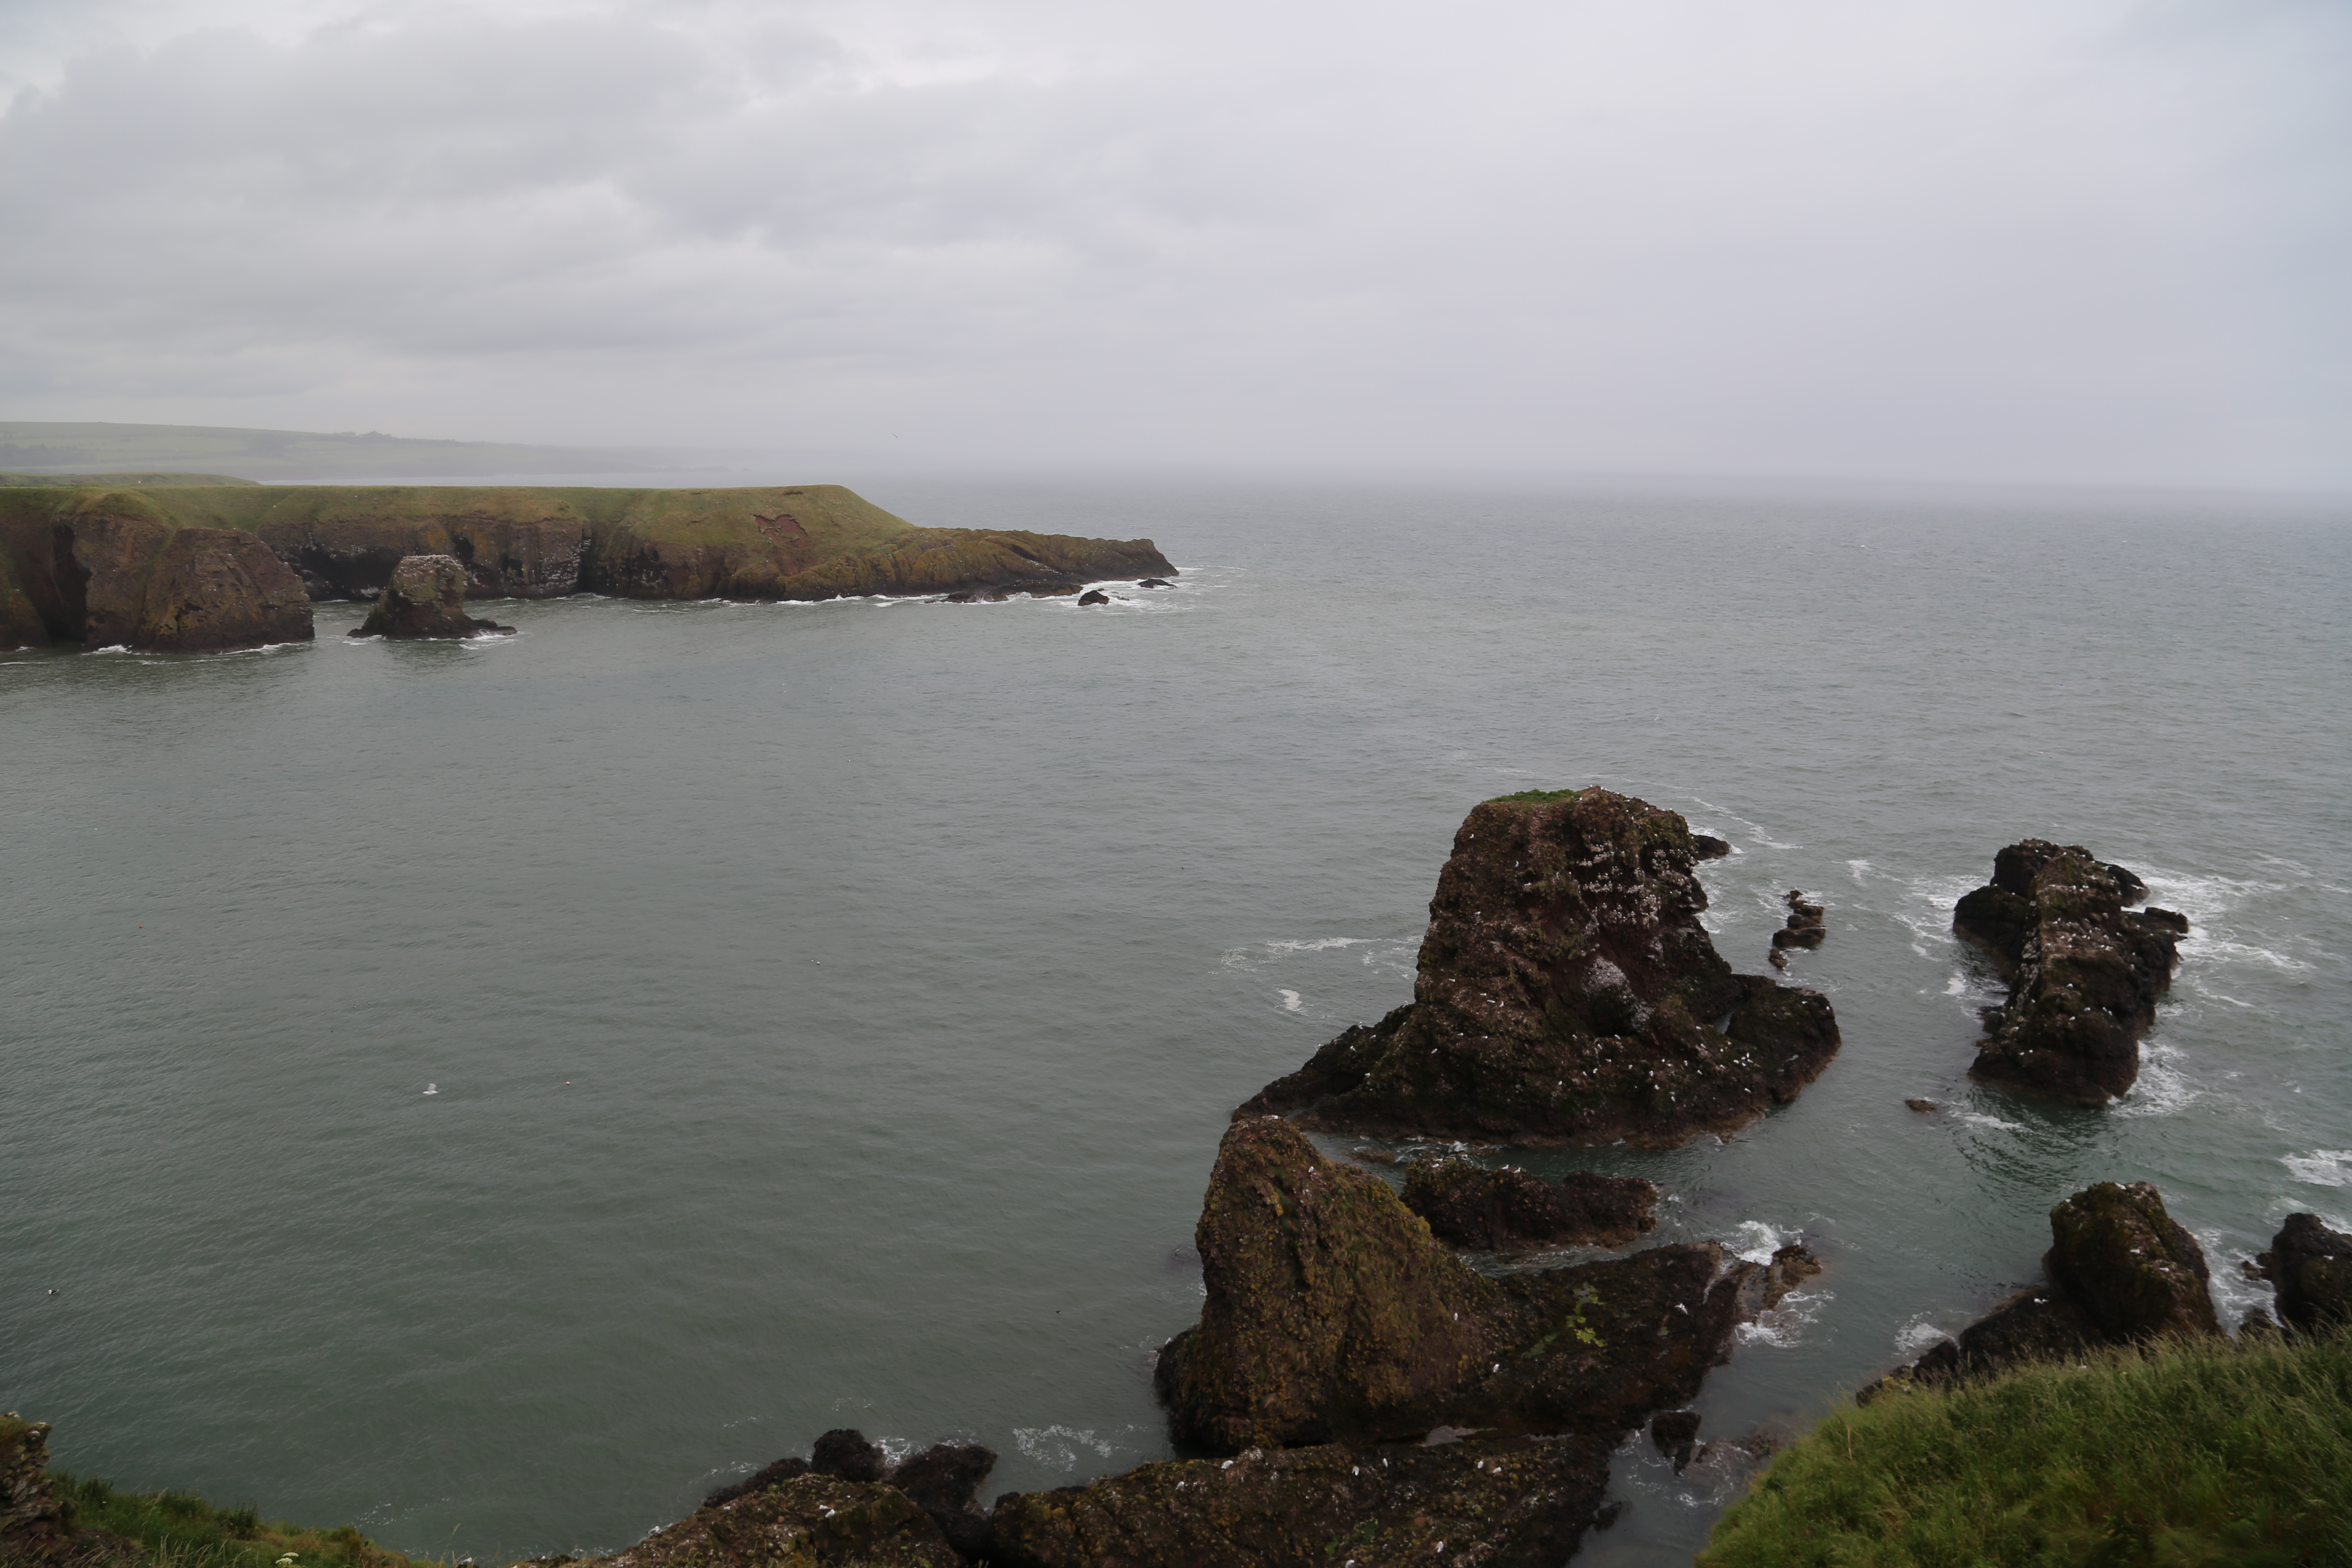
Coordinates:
(2121, 1270)
(1371, 1156)
(1094, 596)
(1921, 1106)
(1567, 991)
(2128, 1263)
(1675, 1433)
(1155, 583)
(844, 1452)
(812, 1519)
(1707, 846)
(1468, 1205)
(2257, 1324)
(1333, 1315)
(1494, 1502)
(965, 597)
(1807, 923)
(2311, 1266)
(2085, 971)
(943, 1480)
(425, 598)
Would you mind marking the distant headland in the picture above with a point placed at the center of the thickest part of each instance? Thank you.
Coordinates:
(178, 563)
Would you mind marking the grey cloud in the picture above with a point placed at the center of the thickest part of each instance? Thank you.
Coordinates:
(2004, 241)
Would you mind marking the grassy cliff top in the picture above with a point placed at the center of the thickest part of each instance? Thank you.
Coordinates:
(2204, 1452)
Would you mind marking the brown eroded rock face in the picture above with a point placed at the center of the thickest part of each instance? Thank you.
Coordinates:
(1468, 1205)
(154, 588)
(1567, 991)
(2133, 1268)
(2085, 971)
(32, 1520)
(2311, 1266)
(2121, 1269)
(1333, 1315)
(1499, 1503)
(425, 598)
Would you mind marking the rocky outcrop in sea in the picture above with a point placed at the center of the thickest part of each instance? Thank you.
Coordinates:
(425, 598)
(1567, 991)
(2084, 970)
(2312, 1267)
(2120, 1269)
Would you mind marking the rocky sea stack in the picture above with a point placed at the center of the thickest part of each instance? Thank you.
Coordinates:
(2121, 1270)
(2085, 971)
(425, 598)
(1333, 1315)
(1567, 991)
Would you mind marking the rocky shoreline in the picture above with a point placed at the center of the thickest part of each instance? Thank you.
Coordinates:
(209, 568)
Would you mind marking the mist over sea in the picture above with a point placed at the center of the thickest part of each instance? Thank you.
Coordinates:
(830, 1012)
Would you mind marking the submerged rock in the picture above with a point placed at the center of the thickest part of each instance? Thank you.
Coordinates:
(1497, 1503)
(2121, 1269)
(1567, 991)
(1155, 583)
(2311, 1266)
(1333, 1315)
(2085, 971)
(425, 598)
(1094, 596)
(1468, 1205)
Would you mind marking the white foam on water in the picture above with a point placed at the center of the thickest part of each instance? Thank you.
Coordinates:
(2320, 1167)
(1290, 1003)
(1754, 829)
(895, 1449)
(1320, 945)
(2160, 1091)
(1058, 1446)
(2233, 1294)
(1755, 1241)
(1917, 1337)
(1784, 1326)
(1979, 1119)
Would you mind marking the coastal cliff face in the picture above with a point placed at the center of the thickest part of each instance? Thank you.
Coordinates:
(2085, 971)
(113, 568)
(425, 598)
(1567, 991)
(199, 567)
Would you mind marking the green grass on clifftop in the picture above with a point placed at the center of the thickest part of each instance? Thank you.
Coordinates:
(179, 1529)
(1542, 796)
(2214, 1453)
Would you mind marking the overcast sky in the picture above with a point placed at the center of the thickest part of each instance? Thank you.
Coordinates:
(2076, 240)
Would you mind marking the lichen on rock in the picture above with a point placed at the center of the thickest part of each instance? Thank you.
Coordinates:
(1567, 991)
(2085, 971)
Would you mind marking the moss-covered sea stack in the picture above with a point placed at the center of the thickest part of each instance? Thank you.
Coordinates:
(2086, 971)
(1567, 991)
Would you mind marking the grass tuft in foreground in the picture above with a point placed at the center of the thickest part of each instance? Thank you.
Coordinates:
(2188, 1453)
(179, 1529)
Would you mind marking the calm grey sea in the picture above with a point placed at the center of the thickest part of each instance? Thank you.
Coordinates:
(495, 1092)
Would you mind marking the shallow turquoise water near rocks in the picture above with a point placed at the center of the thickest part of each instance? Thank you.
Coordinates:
(831, 1011)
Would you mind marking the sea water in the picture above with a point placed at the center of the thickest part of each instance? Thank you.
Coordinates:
(497, 1092)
